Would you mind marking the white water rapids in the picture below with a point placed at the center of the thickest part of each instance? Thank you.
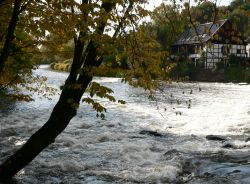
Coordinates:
(141, 141)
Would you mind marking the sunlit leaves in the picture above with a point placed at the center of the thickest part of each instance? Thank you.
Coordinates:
(97, 106)
(101, 91)
(144, 58)
(97, 90)
(19, 97)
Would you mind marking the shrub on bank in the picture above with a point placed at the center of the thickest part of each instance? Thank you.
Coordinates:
(183, 70)
(60, 66)
(237, 74)
(234, 70)
(102, 71)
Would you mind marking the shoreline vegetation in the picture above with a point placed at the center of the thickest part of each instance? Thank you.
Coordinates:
(184, 72)
(103, 71)
(235, 69)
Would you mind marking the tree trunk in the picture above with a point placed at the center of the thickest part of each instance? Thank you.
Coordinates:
(10, 35)
(64, 110)
(60, 117)
(45, 135)
(56, 123)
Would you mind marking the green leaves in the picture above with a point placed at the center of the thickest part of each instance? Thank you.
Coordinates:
(144, 59)
(97, 106)
(95, 89)
(100, 91)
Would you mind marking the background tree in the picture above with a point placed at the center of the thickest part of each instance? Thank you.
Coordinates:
(240, 15)
(17, 48)
(205, 12)
(237, 12)
(11, 13)
(167, 23)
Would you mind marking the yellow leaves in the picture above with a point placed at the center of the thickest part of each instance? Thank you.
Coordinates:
(142, 12)
(96, 89)
(100, 91)
(169, 67)
(60, 66)
(97, 106)
(144, 58)
(118, 59)
(19, 97)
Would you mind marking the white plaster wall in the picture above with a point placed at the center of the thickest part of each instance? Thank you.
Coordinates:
(194, 56)
(213, 53)
(248, 50)
(234, 49)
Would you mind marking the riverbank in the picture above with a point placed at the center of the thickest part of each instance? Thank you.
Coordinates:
(102, 71)
(222, 75)
(234, 75)
(183, 71)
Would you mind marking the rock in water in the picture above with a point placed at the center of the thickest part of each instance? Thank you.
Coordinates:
(151, 133)
(247, 139)
(233, 145)
(228, 145)
(216, 138)
(171, 153)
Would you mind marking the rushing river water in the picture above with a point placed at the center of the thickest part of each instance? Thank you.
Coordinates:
(142, 141)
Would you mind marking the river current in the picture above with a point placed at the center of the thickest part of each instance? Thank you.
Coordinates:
(167, 140)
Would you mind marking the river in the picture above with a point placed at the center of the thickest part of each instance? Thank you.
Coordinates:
(142, 141)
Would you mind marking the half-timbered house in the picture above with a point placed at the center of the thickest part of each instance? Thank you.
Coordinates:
(210, 43)
(248, 47)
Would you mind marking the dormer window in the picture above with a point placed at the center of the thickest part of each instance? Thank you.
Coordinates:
(238, 51)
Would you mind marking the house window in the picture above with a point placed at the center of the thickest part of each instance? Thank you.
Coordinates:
(224, 50)
(195, 49)
(191, 49)
(238, 51)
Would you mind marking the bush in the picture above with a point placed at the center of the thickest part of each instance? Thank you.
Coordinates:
(237, 74)
(185, 69)
(235, 61)
(220, 65)
(63, 66)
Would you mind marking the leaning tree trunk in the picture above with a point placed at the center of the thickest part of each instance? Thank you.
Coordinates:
(64, 110)
(62, 113)
(60, 117)
(10, 34)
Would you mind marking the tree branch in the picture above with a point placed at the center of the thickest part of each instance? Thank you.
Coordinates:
(10, 35)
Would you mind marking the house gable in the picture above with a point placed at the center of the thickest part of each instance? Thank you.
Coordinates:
(211, 43)
(227, 34)
(221, 32)
(199, 34)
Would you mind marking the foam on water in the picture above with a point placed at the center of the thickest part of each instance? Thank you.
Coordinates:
(92, 150)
